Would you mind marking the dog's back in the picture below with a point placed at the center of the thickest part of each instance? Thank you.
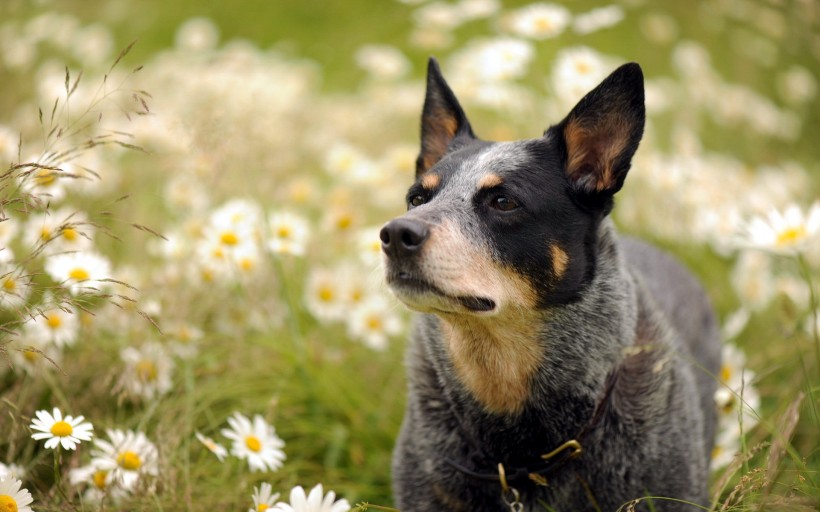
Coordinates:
(687, 308)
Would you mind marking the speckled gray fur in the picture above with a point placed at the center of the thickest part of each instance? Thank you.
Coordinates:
(629, 348)
(654, 434)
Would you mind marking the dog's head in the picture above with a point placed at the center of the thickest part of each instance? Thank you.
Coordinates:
(494, 226)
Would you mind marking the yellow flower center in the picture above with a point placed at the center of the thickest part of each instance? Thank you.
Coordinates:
(283, 232)
(70, 234)
(246, 264)
(791, 236)
(374, 323)
(79, 274)
(729, 405)
(326, 294)
(45, 177)
(99, 478)
(45, 234)
(544, 24)
(184, 334)
(262, 507)
(7, 503)
(31, 355)
(725, 373)
(146, 370)
(582, 67)
(53, 320)
(61, 429)
(344, 221)
(253, 444)
(129, 460)
(10, 284)
(229, 238)
(717, 450)
(356, 295)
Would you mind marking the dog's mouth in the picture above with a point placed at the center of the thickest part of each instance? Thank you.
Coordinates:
(419, 294)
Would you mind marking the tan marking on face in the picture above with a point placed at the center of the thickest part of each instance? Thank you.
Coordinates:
(430, 181)
(593, 150)
(560, 260)
(459, 268)
(490, 181)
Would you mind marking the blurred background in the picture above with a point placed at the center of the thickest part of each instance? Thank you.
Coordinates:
(233, 167)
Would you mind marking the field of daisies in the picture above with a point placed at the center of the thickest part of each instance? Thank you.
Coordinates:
(192, 314)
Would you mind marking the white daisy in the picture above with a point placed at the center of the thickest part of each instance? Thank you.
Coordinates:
(8, 229)
(492, 60)
(99, 483)
(60, 230)
(255, 441)
(15, 286)
(147, 373)
(56, 325)
(67, 432)
(288, 233)
(9, 471)
(753, 280)
(184, 338)
(784, 232)
(727, 445)
(346, 162)
(214, 447)
(45, 183)
(373, 322)
(340, 219)
(736, 397)
(540, 21)
(35, 354)
(316, 501)
(325, 294)
(79, 271)
(263, 499)
(197, 34)
(369, 247)
(128, 457)
(9, 140)
(576, 71)
(438, 15)
(382, 62)
(41, 228)
(12, 497)
(597, 19)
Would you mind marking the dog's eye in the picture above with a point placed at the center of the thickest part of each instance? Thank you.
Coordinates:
(416, 200)
(504, 203)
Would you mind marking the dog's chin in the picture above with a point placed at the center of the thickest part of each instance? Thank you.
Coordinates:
(424, 297)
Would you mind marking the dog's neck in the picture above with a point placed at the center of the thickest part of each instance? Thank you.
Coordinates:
(567, 350)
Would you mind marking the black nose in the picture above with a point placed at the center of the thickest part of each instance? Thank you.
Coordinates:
(403, 237)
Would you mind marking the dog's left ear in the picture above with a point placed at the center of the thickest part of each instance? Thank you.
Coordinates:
(600, 135)
(442, 120)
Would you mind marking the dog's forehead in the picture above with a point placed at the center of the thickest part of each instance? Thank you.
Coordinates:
(473, 169)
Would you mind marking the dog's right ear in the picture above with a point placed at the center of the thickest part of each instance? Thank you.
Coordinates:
(442, 120)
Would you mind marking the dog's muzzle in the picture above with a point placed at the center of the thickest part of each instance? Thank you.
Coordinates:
(403, 240)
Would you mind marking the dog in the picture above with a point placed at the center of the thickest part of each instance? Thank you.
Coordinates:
(553, 364)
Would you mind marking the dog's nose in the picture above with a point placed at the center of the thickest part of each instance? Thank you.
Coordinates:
(403, 237)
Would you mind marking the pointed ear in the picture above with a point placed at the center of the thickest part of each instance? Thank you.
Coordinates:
(600, 135)
(442, 120)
